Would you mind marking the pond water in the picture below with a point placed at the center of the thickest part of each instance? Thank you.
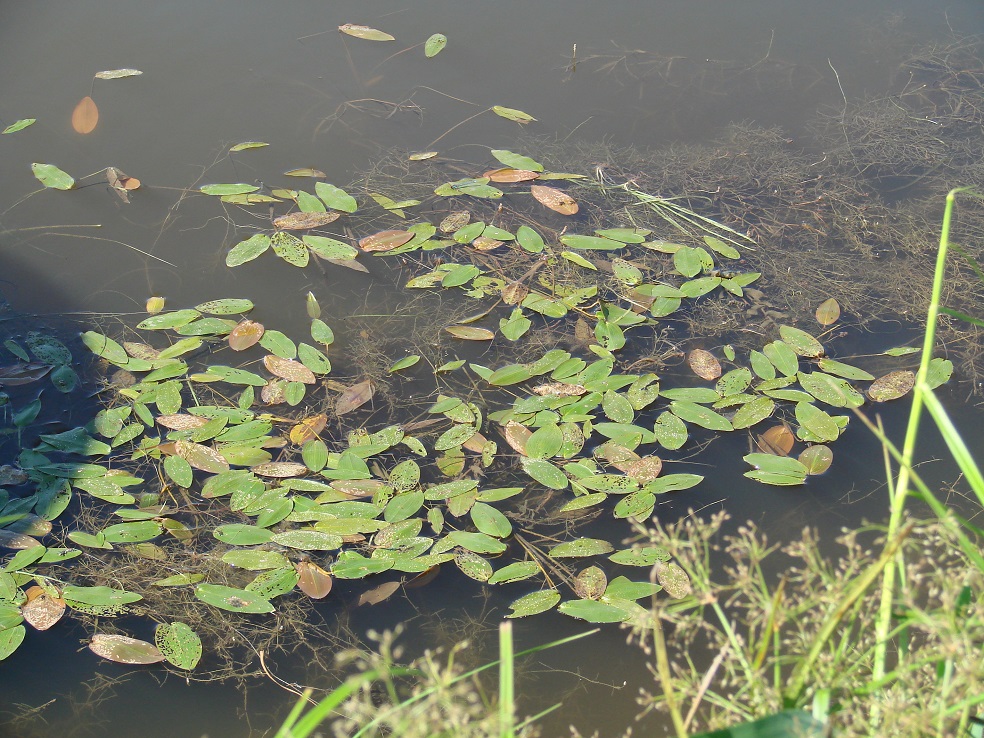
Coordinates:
(629, 74)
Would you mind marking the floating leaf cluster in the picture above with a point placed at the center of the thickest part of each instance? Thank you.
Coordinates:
(297, 508)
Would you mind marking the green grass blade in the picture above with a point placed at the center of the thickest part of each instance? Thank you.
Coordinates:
(507, 697)
(958, 449)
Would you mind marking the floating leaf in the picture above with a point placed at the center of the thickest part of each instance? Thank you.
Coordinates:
(515, 572)
(303, 221)
(517, 161)
(423, 155)
(534, 603)
(85, 116)
(201, 457)
(303, 172)
(247, 250)
(512, 114)
(280, 469)
(938, 372)
(673, 579)
(289, 248)
(354, 397)
(247, 333)
(313, 581)
(776, 470)
(292, 371)
(228, 189)
(590, 583)
(432, 47)
(51, 176)
(581, 547)
(117, 73)
(405, 363)
(892, 386)
(42, 610)
(828, 312)
(777, 440)
(385, 240)
(593, 611)
(248, 145)
(19, 125)
(801, 342)
(557, 200)
(124, 650)
(232, 599)
(703, 364)
(470, 333)
(180, 645)
(365, 32)
(817, 459)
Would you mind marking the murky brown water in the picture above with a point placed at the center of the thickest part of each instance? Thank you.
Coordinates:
(214, 74)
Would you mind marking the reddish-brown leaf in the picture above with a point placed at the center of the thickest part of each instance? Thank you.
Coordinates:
(517, 435)
(554, 199)
(508, 174)
(385, 240)
(20, 373)
(776, 440)
(246, 334)
(313, 581)
(85, 116)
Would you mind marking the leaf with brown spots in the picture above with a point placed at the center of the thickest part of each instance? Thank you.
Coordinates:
(292, 371)
(41, 610)
(507, 174)
(703, 364)
(303, 221)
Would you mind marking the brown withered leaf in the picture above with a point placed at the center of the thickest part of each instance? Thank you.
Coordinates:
(703, 364)
(516, 435)
(141, 350)
(313, 581)
(201, 457)
(777, 440)
(892, 386)
(514, 293)
(508, 174)
(247, 333)
(41, 611)
(385, 240)
(643, 470)
(308, 429)
(181, 421)
(303, 221)
(454, 221)
(559, 389)
(475, 443)
(354, 397)
(85, 116)
(274, 392)
(378, 594)
(292, 371)
(555, 199)
(484, 243)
